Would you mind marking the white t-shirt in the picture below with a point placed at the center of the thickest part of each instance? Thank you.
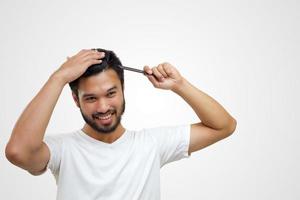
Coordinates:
(127, 169)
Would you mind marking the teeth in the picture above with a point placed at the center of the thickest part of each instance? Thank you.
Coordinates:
(104, 117)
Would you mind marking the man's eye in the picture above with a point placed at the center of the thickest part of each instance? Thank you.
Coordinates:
(110, 94)
(90, 98)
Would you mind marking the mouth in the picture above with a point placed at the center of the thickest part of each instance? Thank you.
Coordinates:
(104, 119)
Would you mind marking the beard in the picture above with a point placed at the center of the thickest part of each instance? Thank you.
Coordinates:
(104, 129)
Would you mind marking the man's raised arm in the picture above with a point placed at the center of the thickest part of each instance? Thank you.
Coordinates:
(215, 122)
(25, 147)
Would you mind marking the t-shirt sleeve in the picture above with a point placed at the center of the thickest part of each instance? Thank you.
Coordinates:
(54, 143)
(172, 142)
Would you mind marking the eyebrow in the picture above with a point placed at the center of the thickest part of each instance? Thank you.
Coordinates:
(92, 94)
(110, 89)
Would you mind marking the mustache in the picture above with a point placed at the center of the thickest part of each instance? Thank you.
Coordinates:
(98, 114)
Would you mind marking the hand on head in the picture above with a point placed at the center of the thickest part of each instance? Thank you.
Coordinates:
(76, 65)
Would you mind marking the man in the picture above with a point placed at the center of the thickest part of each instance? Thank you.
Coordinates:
(104, 160)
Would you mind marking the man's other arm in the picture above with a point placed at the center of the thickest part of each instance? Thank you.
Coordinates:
(25, 147)
(215, 122)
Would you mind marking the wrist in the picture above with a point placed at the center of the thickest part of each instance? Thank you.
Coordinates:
(180, 86)
(58, 78)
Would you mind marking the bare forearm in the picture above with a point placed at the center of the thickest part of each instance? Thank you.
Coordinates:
(30, 128)
(209, 111)
(25, 147)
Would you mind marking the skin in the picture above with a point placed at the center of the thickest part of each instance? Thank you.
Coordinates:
(102, 94)
(27, 150)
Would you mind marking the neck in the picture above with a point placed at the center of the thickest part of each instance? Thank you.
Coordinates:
(104, 137)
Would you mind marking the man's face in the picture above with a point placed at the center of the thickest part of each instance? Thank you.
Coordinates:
(101, 101)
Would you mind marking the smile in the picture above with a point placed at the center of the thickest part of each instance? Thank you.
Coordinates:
(104, 117)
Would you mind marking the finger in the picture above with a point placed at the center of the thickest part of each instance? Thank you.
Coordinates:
(161, 69)
(157, 74)
(147, 69)
(93, 55)
(169, 69)
(153, 80)
(81, 52)
(91, 62)
(78, 54)
(89, 52)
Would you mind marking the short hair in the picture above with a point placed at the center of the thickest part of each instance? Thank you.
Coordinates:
(110, 61)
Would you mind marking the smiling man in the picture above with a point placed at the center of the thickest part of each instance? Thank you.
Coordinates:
(106, 117)
(104, 160)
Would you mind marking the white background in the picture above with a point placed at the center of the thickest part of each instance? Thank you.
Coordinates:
(245, 54)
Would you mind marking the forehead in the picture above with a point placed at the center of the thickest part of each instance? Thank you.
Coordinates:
(99, 83)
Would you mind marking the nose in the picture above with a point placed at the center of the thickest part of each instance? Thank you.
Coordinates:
(102, 106)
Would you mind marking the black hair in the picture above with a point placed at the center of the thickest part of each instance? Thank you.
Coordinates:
(110, 61)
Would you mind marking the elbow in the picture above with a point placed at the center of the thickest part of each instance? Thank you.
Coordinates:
(229, 129)
(14, 154)
(231, 126)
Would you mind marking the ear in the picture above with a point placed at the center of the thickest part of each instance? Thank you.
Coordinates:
(76, 99)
